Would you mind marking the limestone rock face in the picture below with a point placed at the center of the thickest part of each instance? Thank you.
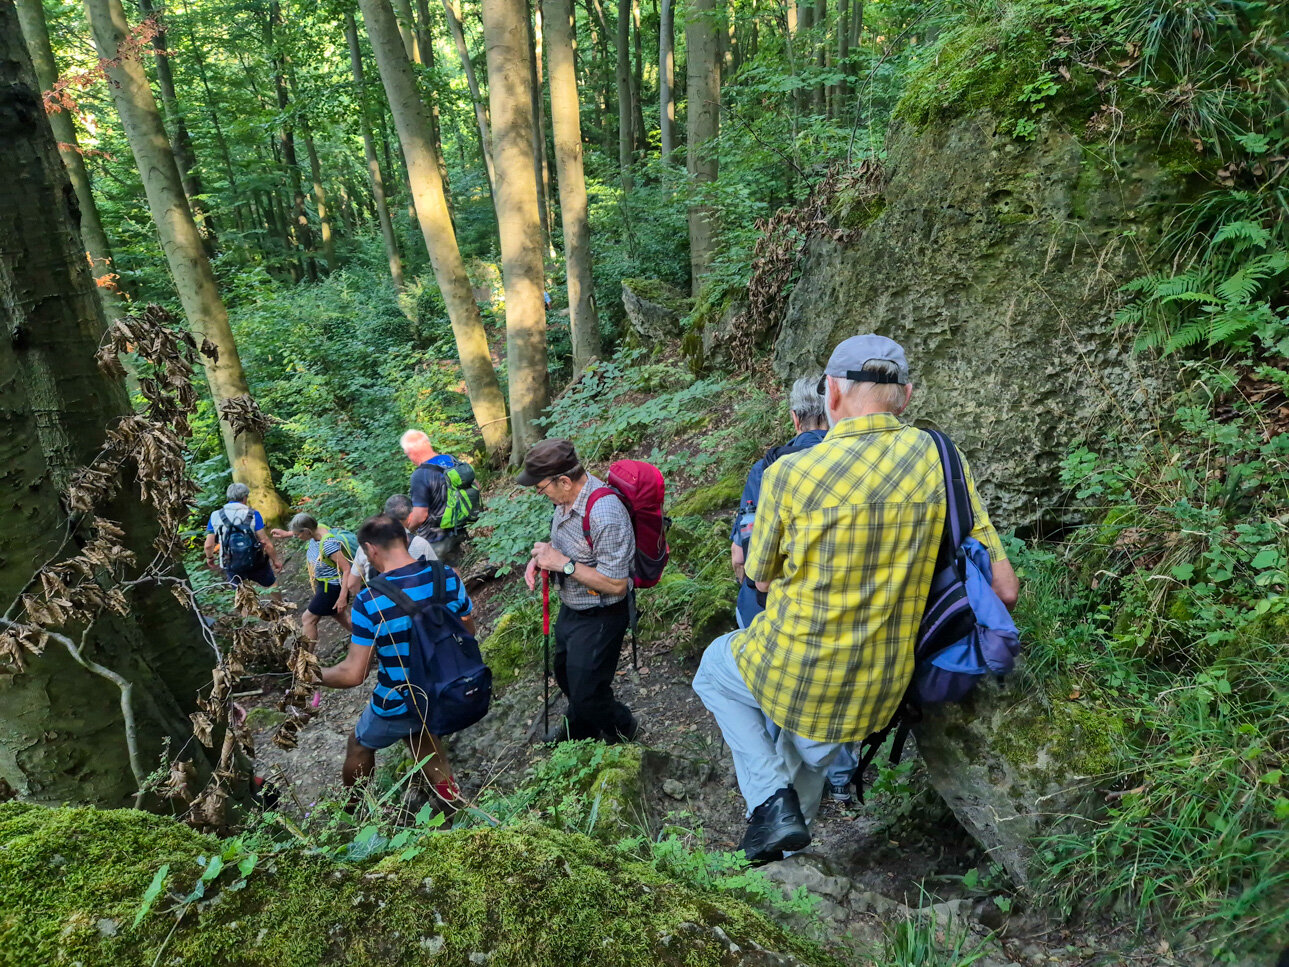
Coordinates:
(996, 263)
(1013, 765)
(654, 309)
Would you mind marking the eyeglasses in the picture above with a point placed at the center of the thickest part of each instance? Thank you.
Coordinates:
(541, 487)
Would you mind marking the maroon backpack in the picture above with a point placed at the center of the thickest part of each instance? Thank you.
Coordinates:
(640, 487)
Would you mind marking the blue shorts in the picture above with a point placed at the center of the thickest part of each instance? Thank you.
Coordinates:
(380, 732)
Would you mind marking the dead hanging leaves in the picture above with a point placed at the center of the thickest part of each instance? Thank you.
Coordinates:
(244, 415)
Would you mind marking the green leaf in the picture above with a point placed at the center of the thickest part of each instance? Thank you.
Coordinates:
(247, 864)
(1183, 572)
(213, 869)
(151, 893)
(1282, 809)
(1273, 777)
(1266, 559)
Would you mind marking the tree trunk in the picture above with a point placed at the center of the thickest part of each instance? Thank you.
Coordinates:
(667, 78)
(626, 122)
(539, 123)
(410, 117)
(407, 30)
(319, 195)
(452, 12)
(841, 93)
(821, 54)
(425, 50)
(702, 39)
(561, 35)
(637, 80)
(62, 735)
(805, 58)
(505, 34)
(301, 235)
(856, 24)
(239, 203)
(181, 143)
(377, 183)
(181, 242)
(31, 14)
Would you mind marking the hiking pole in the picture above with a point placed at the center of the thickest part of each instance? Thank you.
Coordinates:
(546, 653)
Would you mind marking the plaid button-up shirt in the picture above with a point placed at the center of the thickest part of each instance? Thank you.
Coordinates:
(847, 535)
(613, 538)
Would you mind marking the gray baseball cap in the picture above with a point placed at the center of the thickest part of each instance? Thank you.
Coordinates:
(852, 355)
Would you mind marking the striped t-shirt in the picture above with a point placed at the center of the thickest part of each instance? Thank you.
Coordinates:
(378, 622)
(320, 564)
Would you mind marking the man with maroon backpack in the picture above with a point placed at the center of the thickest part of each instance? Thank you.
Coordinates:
(593, 555)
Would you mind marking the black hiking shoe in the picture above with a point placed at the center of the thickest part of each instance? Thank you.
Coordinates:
(558, 732)
(776, 826)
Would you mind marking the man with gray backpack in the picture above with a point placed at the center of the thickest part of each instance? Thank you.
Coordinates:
(236, 531)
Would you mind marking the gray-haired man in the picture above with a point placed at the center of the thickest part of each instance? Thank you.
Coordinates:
(245, 551)
(399, 507)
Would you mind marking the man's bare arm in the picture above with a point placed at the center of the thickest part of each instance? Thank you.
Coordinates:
(351, 672)
(417, 517)
(1006, 584)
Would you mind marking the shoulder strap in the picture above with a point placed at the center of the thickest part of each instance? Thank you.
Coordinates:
(219, 519)
(387, 587)
(958, 518)
(596, 494)
(440, 595)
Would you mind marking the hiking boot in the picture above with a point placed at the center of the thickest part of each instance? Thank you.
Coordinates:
(628, 732)
(558, 732)
(776, 825)
(840, 793)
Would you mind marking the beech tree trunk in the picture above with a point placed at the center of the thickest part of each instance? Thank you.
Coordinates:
(821, 55)
(539, 123)
(181, 241)
(505, 31)
(31, 14)
(376, 181)
(425, 55)
(411, 119)
(561, 36)
(841, 92)
(667, 77)
(637, 80)
(702, 37)
(626, 122)
(452, 12)
(319, 195)
(62, 733)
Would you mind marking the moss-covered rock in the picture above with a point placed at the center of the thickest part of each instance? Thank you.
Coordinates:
(515, 643)
(724, 495)
(1013, 765)
(72, 880)
(654, 309)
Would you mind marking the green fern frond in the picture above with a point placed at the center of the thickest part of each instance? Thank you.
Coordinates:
(1245, 234)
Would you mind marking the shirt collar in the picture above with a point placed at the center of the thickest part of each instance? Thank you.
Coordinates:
(859, 425)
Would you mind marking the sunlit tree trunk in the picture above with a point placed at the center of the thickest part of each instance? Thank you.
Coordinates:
(626, 123)
(377, 182)
(667, 77)
(31, 14)
(319, 195)
(505, 31)
(410, 117)
(637, 80)
(539, 123)
(821, 55)
(181, 242)
(841, 92)
(702, 38)
(425, 55)
(452, 12)
(805, 58)
(561, 34)
(62, 737)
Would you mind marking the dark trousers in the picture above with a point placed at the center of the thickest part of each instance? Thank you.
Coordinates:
(588, 645)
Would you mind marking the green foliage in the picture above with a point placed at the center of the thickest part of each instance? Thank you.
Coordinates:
(920, 941)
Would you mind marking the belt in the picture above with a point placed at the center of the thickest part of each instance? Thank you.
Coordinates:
(600, 608)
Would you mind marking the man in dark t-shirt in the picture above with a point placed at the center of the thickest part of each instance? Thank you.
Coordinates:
(429, 490)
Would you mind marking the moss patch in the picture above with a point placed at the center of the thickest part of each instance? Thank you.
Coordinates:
(71, 881)
(1072, 737)
(722, 495)
(259, 719)
(660, 293)
(515, 643)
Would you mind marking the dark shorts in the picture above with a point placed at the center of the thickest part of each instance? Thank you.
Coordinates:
(325, 594)
(379, 732)
(261, 574)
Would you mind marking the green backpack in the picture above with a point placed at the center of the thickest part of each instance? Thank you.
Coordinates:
(464, 501)
(348, 540)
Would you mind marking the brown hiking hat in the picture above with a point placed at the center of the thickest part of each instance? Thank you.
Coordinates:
(550, 458)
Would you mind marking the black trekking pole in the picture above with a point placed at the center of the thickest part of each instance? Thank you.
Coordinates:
(546, 654)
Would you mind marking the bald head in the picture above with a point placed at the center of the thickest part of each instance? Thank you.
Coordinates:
(416, 445)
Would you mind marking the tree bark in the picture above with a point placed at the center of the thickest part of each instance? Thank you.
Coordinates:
(637, 80)
(539, 122)
(410, 117)
(667, 77)
(626, 122)
(702, 38)
(452, 13)
(407, 29)
(31, 14)
(841, 93)
(181, 142)
(805, 21)
(505, 34)
(561, 36)
(181, 241)
(376, 182)
(61, 728)
(319, 195)
(821, 54)
(425, 51)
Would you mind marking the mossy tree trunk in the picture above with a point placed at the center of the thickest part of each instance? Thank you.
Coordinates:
(412, 120)
(506, 40)
(61, 727)
(182, 243)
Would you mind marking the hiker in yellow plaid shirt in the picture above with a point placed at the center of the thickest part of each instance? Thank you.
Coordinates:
(844, 546)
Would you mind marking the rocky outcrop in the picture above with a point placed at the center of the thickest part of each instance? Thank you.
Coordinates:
(654, 309)
(997, 264)
(1014, 765)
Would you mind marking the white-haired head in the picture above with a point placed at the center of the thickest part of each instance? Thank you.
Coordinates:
(416, 445)
(237, 492)
(807, 404)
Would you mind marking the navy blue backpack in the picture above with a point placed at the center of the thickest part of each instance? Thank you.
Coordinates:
(966, 631)
(448, 686)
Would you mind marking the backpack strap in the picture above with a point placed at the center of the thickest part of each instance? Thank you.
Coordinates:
(959, 520)
(440, 595)
(387, 587)
(596, 494)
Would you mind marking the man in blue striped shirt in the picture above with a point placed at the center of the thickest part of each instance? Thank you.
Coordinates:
(379, 624)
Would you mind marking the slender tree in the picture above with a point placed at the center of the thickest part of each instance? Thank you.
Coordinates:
(820, 44)
(667, 77)
(62, 722)
(841, 91)
(181, 241)
(377, 181)
(637, 80)
(626, 121)
(540, 172)
(425, 56)
(412, 121)
(319, 194)
(702, 38)
(452, 12)
(505, 34)
(31, 14)
(561, 40)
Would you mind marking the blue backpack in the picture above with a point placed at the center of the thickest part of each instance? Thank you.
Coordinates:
(448, 686)
(966, 631)
(240, 550)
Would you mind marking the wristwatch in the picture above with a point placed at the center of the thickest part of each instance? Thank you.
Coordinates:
(569, 567)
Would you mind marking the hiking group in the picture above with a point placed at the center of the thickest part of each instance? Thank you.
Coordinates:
(871, 584)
